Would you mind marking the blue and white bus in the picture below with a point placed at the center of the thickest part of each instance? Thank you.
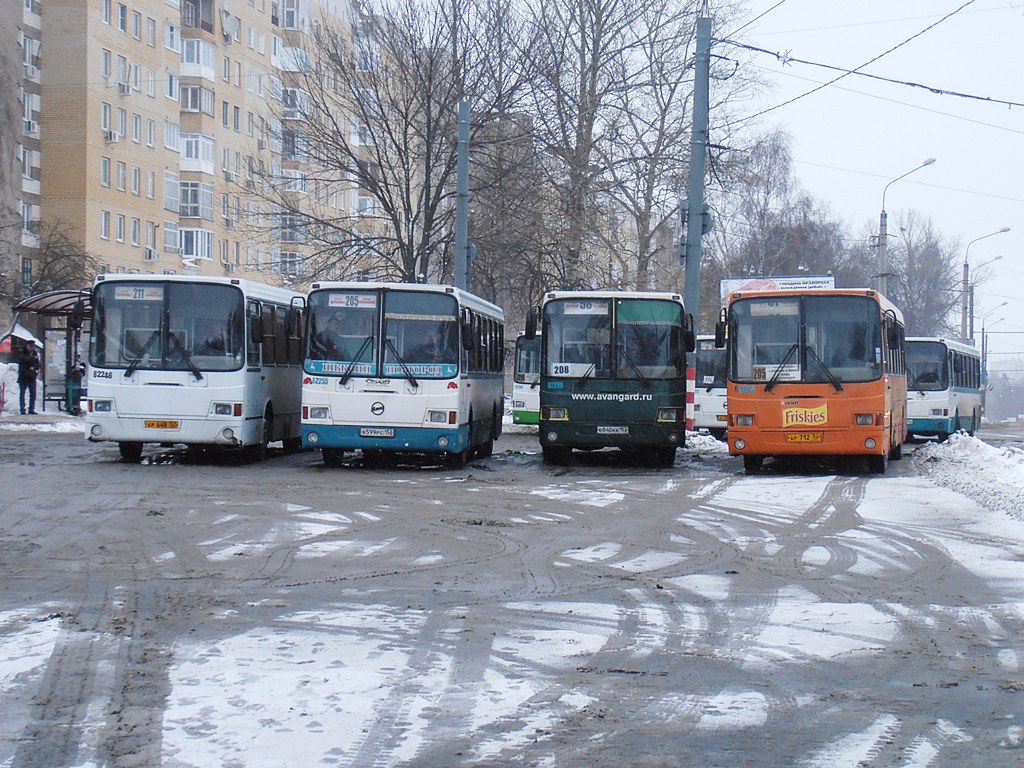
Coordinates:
(526, 381)
(709, 398)
(399, 367)
(201, 361)
(943, 387)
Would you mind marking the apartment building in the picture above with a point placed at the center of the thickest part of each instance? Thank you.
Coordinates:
(163, 132)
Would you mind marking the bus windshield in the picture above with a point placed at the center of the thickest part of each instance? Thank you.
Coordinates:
(421, 335)
(813, 339)
(342, 334)
(711, 365)
(644, 344)
(927, 368)
(527, 369)
(167, 326)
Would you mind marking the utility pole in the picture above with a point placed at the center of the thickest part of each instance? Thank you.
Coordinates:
(695, 212)
(462, 200)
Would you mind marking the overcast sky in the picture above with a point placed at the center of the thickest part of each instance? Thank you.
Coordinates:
(851, 138)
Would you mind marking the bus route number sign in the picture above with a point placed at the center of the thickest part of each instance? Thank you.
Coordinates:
(352, 300)
(585, 307)
(138, 293)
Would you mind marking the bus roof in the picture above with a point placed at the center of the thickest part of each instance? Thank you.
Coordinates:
(954, 344)
(252, 288)
(666, 295)
(464, 297)
(869, 292)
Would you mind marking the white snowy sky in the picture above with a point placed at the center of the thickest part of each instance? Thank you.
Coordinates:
(851, 138)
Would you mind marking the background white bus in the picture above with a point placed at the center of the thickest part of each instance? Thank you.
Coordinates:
(526, 381)
(194, 360)
(394, 367)
(943, 387)
(709, 407)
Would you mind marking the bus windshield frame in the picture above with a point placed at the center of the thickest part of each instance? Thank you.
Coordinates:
(618, 338)
(712, 365)
(527, 362)
(805, 339)
(420, 332)
(168, 326)
(927, 366)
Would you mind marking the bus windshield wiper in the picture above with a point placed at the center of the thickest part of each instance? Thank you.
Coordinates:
(778, 370)
(636, 369)
(186, 356)
(352, 364)
(137, 360)
(825, 369)
(401, 362)
(593, 367)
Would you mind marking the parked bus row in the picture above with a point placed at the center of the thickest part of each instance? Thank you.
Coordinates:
(380, 367)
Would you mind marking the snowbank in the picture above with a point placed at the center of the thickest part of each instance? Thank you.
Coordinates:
(993, 477)
(9, 384)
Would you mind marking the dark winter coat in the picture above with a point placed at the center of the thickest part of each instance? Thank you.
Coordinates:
(28, 366)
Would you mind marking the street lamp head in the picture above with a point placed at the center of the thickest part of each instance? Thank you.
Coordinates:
(928, 162)
(1004, 229)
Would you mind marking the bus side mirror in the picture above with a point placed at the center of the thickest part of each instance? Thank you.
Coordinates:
(720, 330)
(689, 335)
(256, 329)
(77, 319)
(531, 324)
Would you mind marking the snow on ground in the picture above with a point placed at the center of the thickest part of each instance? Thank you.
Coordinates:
(993, 477)
(64, 425)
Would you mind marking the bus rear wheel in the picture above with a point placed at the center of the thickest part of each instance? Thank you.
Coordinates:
(878, 463)
(663, 458)
(258, 451)
(131, 453)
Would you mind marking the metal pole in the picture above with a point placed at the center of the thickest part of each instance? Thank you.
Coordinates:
(462, 200)
(883, 253)
(970, 313)
(963, 303)
(698, 165)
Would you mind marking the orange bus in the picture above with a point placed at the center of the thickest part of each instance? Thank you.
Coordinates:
(815, 373)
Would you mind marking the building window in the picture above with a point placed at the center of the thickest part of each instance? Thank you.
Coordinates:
(26, 270)
(136, 181)
(196, 244)
(136, 25)
(150, 132)
(105, 116)
(122, 176)
(105, 171)
(151, 32)
(136, 128)
(120, 228)
(122, 121)
(105, 225)
(172, 38)
(150, 184)
(172, 86)
(135, 231)
(122, 17)
(196, 200)
(171, 239)
(171, 191)
(105, 62)
(106, 11)
(238, 119)
(171, 135)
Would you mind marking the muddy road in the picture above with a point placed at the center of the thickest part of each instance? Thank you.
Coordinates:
(192, 611)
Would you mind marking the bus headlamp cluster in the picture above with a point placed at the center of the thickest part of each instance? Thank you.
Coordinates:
(102, 406)
(865, 419)
(555, 414)
(319, 412)
(668, 414)
(443, 417)
(744, 421)
(227, 409)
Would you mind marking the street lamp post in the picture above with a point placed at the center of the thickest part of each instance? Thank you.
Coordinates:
(883, 227)
(965, 287)
(984, 354)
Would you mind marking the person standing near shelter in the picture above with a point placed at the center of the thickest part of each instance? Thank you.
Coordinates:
(28, 372)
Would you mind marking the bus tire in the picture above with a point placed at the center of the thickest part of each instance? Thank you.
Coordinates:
(752, 464)
(131, 453)
(975, 423)
(485, 449)
(878, 463)
(258, 451)
(718, 434)
(332, 456)
(558, 455)
(896, 452)
(664, 457)
(498, 423)
(292, 444)
(458, 460)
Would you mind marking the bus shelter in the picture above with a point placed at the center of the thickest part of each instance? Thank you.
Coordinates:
(68, 313)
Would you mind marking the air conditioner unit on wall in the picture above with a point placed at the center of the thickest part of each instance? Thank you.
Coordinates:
(152, 254)
(229, 223)
(124, 88)
(112, 137)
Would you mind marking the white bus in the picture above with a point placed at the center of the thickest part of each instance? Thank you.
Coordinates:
(709, 411)
(399, 367)
(526, 381)
(943, 387)
(195, 360)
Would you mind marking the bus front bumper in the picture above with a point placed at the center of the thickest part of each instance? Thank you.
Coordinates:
(227, 432)
(778, 442)
(586, 436)
(411, 439)
(930, 426)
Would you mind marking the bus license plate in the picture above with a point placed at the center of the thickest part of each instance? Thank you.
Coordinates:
(805, 437)
(376, 432)
(159, 424)
(613, 430)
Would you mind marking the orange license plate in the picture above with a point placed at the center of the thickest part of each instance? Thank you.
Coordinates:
(159, 424)
(805, 437)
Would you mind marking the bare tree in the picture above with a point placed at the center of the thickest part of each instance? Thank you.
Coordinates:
(59, 262)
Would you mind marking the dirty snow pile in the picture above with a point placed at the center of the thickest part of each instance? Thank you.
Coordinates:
(993, 477)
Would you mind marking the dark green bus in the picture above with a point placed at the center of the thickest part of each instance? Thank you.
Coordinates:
(613, 373)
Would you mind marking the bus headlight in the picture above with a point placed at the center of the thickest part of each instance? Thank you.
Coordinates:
(865, 419)
(744, 421)
(103, 406)
(321, 413)
(668, 414)
(437, 417)
(555, 414)
(222, 409)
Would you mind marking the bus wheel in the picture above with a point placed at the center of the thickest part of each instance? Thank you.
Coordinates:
(752, 464)
(130, 452)
(458, 460)
(292, 444)
(498, 424)
(975, 422)
(878, 463)
(718, 434)
(258, 451)
(663, 458)
(332, 456)
(558, 455)
(485, 449)
(896, 452)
